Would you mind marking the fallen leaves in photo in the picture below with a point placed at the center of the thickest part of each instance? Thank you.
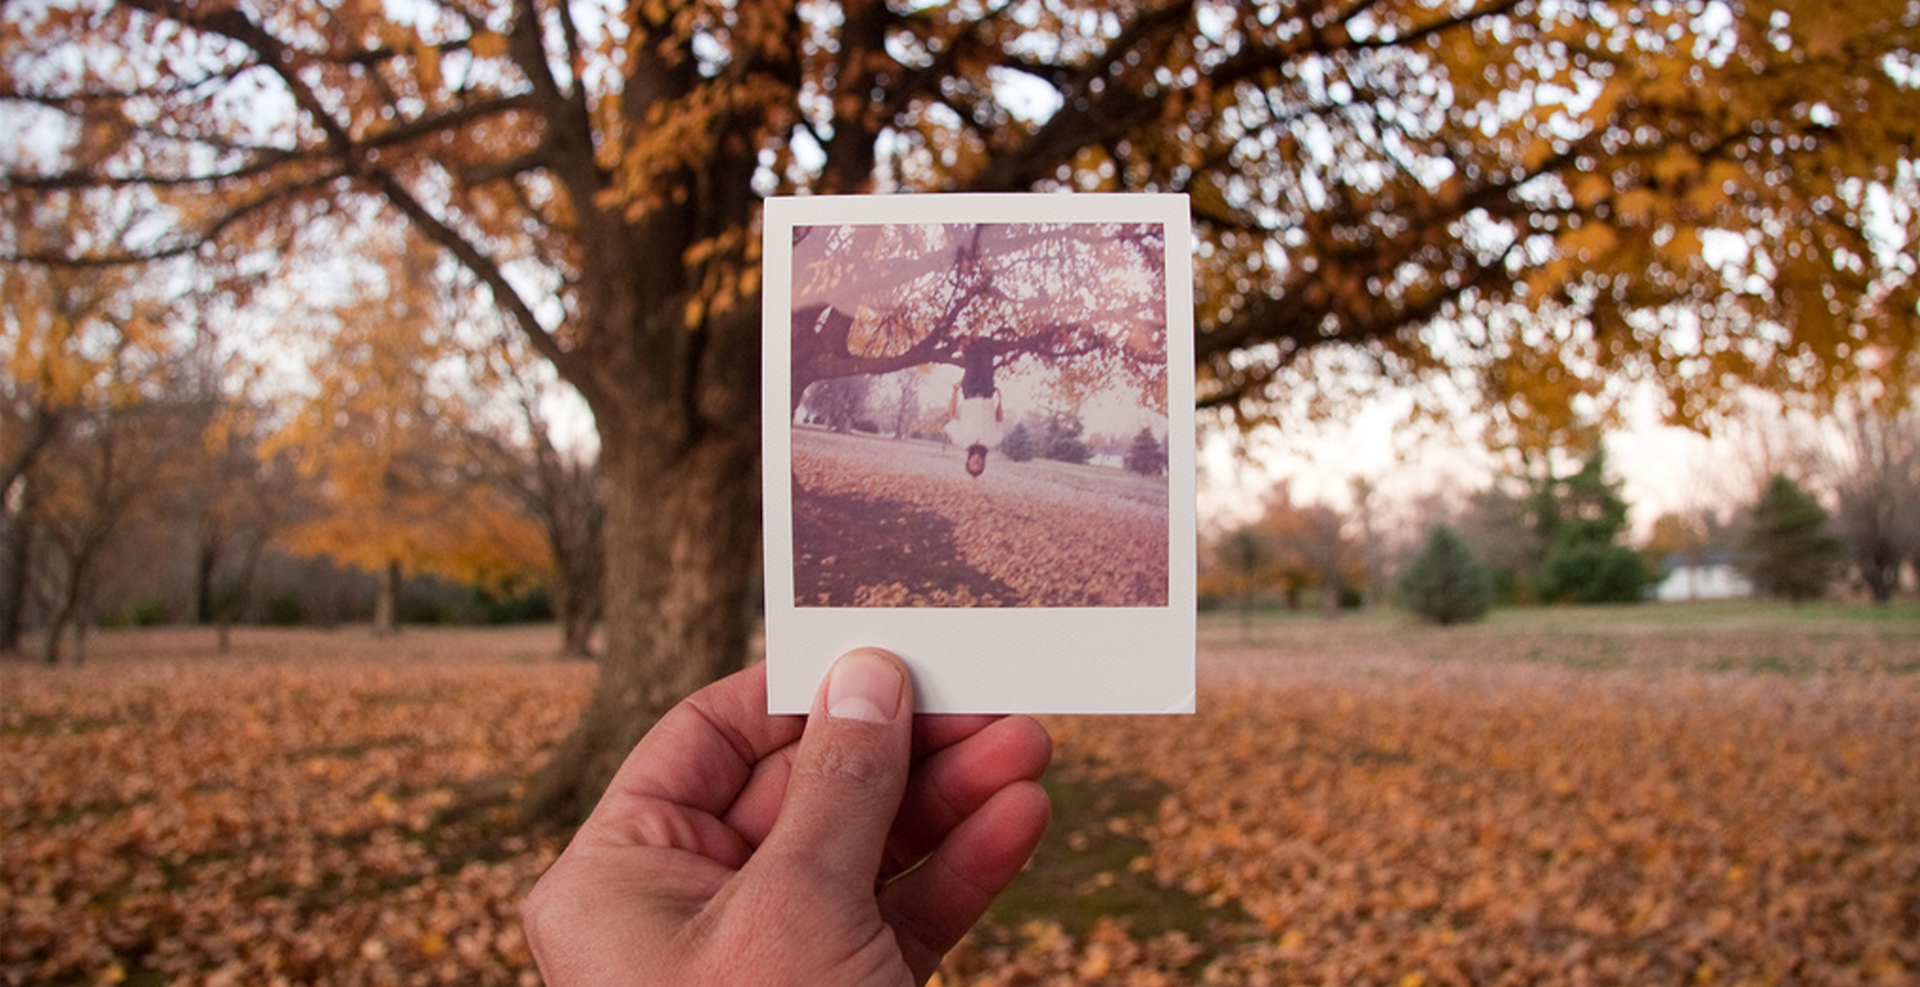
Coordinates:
(1055, 535)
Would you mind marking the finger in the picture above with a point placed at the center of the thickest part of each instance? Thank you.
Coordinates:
(935, 731)
(932, 906)
(692, 765)
(753, 813)
(951, 784)
(849, 771)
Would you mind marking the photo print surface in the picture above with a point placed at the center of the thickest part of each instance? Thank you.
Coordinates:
(978, 423)
(979, 415)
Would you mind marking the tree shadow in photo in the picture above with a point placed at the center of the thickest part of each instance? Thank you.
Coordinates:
(844, 543)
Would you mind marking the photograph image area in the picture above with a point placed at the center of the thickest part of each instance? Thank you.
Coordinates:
(979, 415)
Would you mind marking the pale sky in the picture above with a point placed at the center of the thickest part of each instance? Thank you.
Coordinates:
(1661, 468)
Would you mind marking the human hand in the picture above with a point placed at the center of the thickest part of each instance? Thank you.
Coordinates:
(852, 847)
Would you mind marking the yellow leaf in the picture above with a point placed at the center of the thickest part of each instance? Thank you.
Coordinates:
(1636, 205)
(487, 44)
(428, 57)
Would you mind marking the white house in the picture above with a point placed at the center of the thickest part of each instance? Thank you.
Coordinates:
(1714, 578)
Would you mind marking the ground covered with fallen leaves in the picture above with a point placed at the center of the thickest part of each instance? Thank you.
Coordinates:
(277, 815)
(889, 523)
(1645, 796)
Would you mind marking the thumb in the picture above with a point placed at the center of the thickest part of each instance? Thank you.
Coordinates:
(849, 773)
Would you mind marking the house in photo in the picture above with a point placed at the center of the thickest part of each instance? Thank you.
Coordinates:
(1712, 576)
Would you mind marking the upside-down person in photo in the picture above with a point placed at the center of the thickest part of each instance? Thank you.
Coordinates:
(975, 408)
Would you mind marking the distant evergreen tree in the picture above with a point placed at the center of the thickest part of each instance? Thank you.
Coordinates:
(1581, 518)
(1789, 550)
(1062, 440)
(1445, 584)
(1018, 444)
(1147, 455)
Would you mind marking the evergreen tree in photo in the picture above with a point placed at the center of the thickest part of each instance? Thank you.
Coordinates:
(1789, 550)
(1062, 441)
(1445, 584)
(1147, 455)
(1018, 444)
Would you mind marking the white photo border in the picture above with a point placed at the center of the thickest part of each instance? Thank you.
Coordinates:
(985, 659)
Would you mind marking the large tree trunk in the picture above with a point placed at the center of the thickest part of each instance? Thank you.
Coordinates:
(682, 541)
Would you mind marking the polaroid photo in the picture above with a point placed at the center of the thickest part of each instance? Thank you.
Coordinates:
(979, 448)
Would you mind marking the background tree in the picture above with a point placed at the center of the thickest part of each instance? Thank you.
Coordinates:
(1306, 549)
(1525, 192)
(1060, 437)
(1444, 583)
(238, 498)
(1877, 497)
(1239, 558)
(559, 487)
(839, 402)
(1789, 550)
(1146, 455)
(108, 464)
(1582, 517)
(1369, 541)
(86, 362)
(1500, 529)
(1019, 443)
(77, 344)
(386, 444)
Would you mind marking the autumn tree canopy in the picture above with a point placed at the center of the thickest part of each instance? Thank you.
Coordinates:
(1085, 300)
(382, 439)
(1539, 195)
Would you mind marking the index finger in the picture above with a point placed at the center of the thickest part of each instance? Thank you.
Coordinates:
(702, 752)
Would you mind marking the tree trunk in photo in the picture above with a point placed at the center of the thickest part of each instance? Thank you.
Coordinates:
(386, 604)
(14, 572)
(682, 540)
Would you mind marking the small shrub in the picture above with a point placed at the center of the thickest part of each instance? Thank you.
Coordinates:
(1445, 584)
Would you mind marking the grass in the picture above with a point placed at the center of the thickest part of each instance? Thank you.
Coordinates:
(1720, 636)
